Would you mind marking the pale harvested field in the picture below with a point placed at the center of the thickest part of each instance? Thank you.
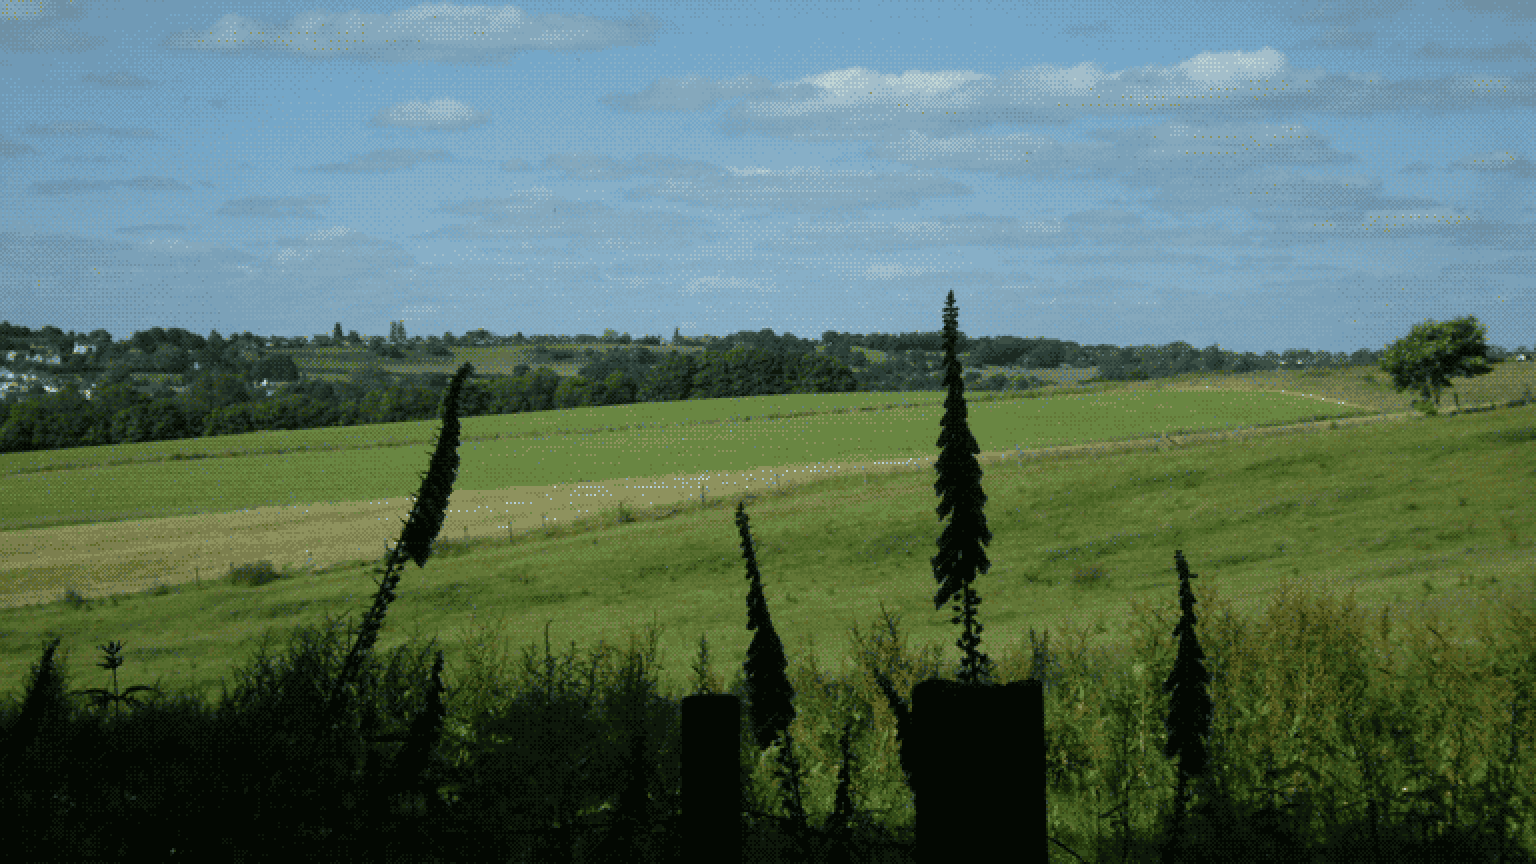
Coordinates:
(129, 557)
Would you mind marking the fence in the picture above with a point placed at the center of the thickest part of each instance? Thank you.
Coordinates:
(975, 755)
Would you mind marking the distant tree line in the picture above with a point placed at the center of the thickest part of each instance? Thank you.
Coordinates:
(223, 396)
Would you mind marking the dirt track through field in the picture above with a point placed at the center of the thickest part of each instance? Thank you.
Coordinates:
(128, 557)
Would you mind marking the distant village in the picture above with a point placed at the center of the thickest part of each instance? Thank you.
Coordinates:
(20, 382)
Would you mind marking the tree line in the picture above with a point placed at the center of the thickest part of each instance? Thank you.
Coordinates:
(223, 396)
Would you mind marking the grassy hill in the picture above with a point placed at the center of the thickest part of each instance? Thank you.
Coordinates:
(1302, 504)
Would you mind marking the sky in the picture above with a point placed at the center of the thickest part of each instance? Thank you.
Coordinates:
(1262, 176)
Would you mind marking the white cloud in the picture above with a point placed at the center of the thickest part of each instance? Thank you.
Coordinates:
(442, 32)
(437, 114)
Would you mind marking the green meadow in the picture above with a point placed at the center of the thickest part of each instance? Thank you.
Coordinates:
(1076, 541)
(235, 472)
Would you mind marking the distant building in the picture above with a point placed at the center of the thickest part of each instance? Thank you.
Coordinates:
(35, 358)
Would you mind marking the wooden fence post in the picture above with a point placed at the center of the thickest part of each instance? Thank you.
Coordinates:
(979, 762)
(712, 794)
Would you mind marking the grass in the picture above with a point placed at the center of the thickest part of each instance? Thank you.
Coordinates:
(91, 485)
(1422, 520)
(300, 472)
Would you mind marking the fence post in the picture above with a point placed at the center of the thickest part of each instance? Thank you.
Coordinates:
(968, 743)
(953, 786)
(712, 794)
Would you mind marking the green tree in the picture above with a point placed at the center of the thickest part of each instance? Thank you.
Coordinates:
(336, 333)
(672, 381)
(958, 486)
(1212, 358)
(172, 358)
(820, 373)
(67, 420)
(1432, 353)
(105, 402)
(211, 391)
(711, 379)
(21, 427)
(164, 420)
(275, 367)
(369, 377)
(230, 420)
(619, 388)
(574, 392)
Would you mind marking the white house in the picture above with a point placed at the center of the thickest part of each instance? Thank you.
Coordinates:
(19, 355)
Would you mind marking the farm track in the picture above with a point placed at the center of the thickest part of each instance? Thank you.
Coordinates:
(98, 560)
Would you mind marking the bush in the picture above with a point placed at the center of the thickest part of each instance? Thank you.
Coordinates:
(257, 574)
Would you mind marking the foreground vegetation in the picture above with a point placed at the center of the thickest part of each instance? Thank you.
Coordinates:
(1326, 718)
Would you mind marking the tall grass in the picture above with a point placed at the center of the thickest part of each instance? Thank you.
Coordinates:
(1329, 737)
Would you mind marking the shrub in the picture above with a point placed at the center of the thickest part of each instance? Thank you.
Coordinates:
(253, 574)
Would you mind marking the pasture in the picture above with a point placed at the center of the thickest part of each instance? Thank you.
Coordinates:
(1078, 537)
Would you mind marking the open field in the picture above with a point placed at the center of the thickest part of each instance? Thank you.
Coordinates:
(1335, 506)
(112, 520)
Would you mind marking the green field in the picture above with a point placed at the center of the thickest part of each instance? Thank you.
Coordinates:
(1363, 508)
(234, 472)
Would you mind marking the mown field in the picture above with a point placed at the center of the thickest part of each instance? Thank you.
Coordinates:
(1076, 540)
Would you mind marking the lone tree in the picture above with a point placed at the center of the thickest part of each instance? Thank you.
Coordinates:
(960, 555)
(1433, 352)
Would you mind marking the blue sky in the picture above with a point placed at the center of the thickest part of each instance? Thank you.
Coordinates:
(1310, 174)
